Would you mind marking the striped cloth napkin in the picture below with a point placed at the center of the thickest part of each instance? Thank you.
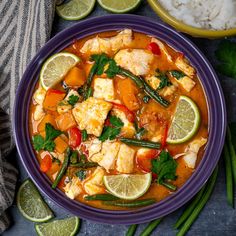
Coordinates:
(25, 25)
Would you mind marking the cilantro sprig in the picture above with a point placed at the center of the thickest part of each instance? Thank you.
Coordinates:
(226, 54)
(111, 132)
(48, 143)
(165, 168)
(165, 82)
(73, 99)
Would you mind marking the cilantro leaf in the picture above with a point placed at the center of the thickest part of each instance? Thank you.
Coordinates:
(165, 82)
(164, 167)
(226, 54)
(177, 74)
(113, 69)
(46, 144)
(111, 132)
(73, 99)
(81, 174)
(100, 61)
(38, 142)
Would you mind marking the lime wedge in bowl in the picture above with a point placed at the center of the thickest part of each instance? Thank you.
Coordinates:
(75, 9)
(119, 6)
(127, 186)
(56, 67)
(185, 122)
(31, 204)
(65, 227)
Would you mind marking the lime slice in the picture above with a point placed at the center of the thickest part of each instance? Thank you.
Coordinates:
(127, 186)
(65, 227)
(119, 6)
(185, 122)
(75, 9)
(31, 204)
(56, 67)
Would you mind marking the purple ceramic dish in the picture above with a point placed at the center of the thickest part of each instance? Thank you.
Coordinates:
(216, 107)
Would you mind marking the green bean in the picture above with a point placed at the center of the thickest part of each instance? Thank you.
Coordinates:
(101, 197)
(150, 227)
(89, 93)
(144, 86)
(84, 164)
(87, 86)
(84, 135)
(137, 203)
(63, 168)
(131, 230)
(169, 186)
(74, 157)
(187, 212)
(232, 153)
(229, 176)
(141, 143)
(209, 188)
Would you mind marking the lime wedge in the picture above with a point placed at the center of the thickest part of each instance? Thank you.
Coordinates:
(127, 186)
(185, 122)
(119, 6)
(56, 67)
(75, 9)
(65, 227)
(31, 204)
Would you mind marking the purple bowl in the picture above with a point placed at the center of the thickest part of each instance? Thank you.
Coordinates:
(216, 108)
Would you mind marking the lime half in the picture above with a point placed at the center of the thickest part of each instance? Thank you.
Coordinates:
(31, 204)
(185, 122)
(65, 227)
(127, 186)
(56, 67)
(119, 6)
(75, 9)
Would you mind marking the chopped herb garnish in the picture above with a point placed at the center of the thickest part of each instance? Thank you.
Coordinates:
(146, 99)
(46, 144)
(81, 174)
(165, 168)
(177, 74)
(164, 80)
(111, 132)
(226, 54)
(100, 60)
(73, 99)
(84, 135)
(113, 69)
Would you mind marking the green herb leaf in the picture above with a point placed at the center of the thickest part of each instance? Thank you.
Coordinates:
(116, 121)
(49, 145)
(51, 132)
(113, 69)
(226, 54)
(81, 174)
(177, 74)
(73, 99)
(74, 157)
(89, 93)
(38, 142)
(101, 61)
(84, 135)
(164, 167)
(165, 82)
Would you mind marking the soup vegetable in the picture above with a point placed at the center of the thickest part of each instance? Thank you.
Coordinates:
(118, 120)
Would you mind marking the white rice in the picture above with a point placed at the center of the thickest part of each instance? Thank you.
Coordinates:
(207, 14)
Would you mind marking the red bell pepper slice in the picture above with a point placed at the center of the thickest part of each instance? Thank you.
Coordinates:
(164, 137)
(154, 48)
(75, 137)
(46, 163)
(129, 114)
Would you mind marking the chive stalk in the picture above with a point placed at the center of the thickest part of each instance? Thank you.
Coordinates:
(137, 203)
(150, 227)
(131, 230)
(141, 143)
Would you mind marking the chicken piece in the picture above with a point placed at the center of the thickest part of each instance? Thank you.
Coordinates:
(162, 48)
(155, 82)
(93, 146)
(106, 45)
(184, 66)
(186, 83)
(73, 188)
(109, 155)
(191, 151)
(125, 159)
(38, 112)
(94, 184)
(63, 107)
(128, 130)
(91, 115)
(138, 61)
(71, 92)
(104, 89)
(39, 95)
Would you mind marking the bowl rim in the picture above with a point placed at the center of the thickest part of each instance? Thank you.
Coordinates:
(214, 95)
(181, 26)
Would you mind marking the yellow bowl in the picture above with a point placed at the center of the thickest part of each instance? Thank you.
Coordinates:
(180, 26)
